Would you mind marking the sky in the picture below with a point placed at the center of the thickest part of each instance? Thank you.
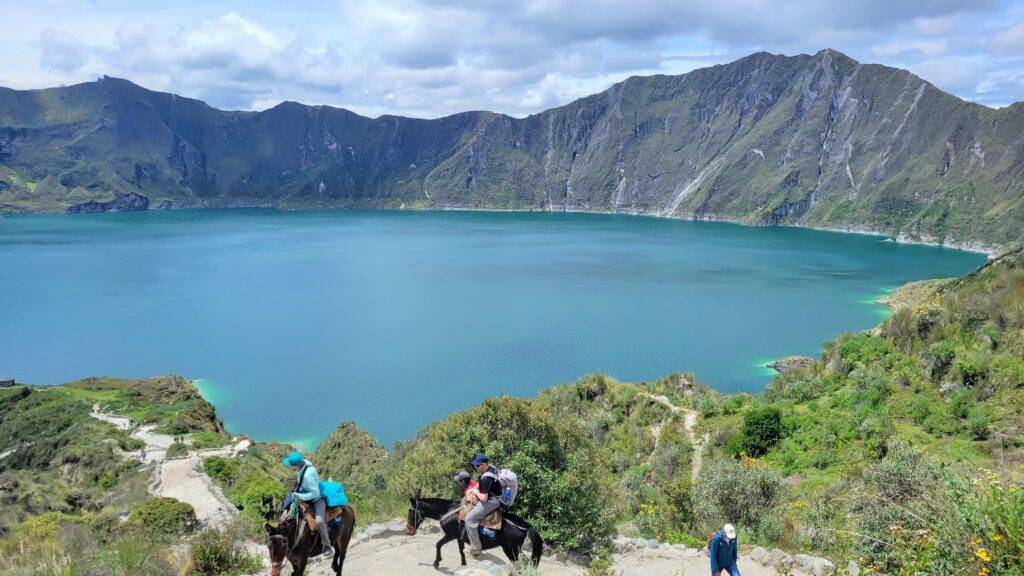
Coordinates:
(430, 58)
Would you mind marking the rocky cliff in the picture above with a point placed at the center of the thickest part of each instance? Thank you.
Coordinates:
(816, 140)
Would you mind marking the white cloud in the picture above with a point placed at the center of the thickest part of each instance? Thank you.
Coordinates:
(1010, 40)
(436, 57)
(61, 52)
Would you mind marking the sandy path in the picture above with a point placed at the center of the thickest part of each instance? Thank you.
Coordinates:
(689, 424)
(412, 556)
(181, 478)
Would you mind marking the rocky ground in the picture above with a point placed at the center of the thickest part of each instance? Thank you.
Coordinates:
(386, 549)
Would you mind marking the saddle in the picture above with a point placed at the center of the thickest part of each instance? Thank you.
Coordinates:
(329, 515)
(492, 520)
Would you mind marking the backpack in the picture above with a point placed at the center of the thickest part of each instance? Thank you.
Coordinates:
(710, 538)
(333, 493)
(509, 485)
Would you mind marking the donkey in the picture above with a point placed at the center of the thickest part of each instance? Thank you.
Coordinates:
(283, 542)
(510, 538)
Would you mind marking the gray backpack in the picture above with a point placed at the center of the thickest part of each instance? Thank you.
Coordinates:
(509, 485)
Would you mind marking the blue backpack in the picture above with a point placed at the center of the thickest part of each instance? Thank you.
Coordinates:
(333, 493)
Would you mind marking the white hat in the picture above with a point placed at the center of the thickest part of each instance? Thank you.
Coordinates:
(730, 531)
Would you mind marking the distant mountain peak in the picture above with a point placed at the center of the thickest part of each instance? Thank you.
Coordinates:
(817, 140)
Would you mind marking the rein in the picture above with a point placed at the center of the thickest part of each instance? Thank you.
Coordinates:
(417, 517)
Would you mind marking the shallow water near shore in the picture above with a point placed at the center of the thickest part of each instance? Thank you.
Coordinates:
(296, 321)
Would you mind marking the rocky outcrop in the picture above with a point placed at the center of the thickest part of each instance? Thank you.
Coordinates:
(130, 202)
(791, 363)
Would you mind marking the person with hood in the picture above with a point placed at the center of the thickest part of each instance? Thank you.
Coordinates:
(723, 552)
(487, 496)
(307, 494)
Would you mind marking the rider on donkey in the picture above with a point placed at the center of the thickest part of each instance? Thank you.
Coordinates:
(307, 494)
(487, 496)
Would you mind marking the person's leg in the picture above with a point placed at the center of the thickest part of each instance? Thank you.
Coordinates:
(473, 520)
(733, 570)
(319, 509)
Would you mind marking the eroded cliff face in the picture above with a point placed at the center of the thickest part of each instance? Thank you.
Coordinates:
(811, 140)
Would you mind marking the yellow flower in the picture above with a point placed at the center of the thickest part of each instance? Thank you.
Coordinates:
(997, 537)
(983, 571)
(983, 555)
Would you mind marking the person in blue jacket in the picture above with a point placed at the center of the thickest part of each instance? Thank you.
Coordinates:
(723, 552)
(307, 493)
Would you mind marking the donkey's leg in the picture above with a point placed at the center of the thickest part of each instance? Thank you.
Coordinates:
(513, 556)
(462, 542)
(444, 540)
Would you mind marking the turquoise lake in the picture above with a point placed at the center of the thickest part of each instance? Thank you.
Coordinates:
(296, 321)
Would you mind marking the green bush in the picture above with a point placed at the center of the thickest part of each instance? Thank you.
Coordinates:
(747, 494)
(762, 429)
(220, 553)
(250, 490)
(942, 354)
(135, 555)
(977, 422)
(564, 488)
(176, 450)
(165, 517)
(221, 469)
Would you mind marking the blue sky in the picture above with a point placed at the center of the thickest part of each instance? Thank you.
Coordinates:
(430, 58)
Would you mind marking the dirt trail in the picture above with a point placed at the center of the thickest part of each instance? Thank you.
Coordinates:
(689, 424)
(393, 553)
(180, 478)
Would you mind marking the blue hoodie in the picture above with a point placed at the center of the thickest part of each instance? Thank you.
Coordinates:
(309, 483)
(722, 552)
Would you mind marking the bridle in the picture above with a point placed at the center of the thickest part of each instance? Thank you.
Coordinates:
(280, 562)
(417, 517)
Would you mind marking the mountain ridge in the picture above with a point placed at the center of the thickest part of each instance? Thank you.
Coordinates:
(809, 140)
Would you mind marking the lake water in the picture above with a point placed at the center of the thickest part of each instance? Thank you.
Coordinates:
(295, 321)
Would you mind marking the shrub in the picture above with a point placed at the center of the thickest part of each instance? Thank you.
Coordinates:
(977, 422)
(251, 489)
(746, 493)
(221, 469)
(1007, 370)
(165, 517)
(219, 552)
(176, 450)
(135, 555)
(762, 429)
(564, 487)
(942, 354)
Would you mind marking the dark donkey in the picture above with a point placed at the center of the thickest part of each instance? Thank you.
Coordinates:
(513, 533)
(284, 543)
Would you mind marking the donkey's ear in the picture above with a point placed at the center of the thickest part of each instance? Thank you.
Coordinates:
(269, 527)
(418, 493)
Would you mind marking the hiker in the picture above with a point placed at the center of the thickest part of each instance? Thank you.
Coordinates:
(487, 499)
(307, 493)
(466, 482)
(723, 552)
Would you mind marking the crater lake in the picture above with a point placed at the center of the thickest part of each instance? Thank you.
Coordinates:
(292, 322)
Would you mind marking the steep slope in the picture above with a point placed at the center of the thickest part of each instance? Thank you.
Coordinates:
(768, 139)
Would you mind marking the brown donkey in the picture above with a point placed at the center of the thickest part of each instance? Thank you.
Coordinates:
(287, 541)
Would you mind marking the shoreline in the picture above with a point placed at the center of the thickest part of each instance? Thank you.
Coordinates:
(991, 251)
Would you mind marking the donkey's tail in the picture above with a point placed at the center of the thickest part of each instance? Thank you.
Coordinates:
(537, 544)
